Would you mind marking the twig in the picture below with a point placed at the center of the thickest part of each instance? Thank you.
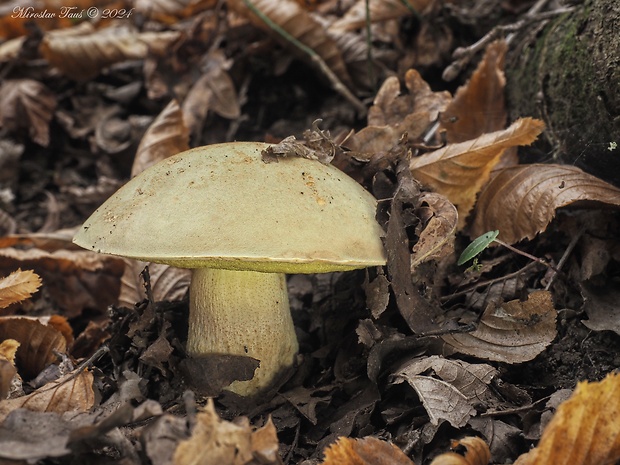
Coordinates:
(525, 254)
(333, 79)
(567, 252)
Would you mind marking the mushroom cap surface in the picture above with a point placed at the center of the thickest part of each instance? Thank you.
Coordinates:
(222, 206)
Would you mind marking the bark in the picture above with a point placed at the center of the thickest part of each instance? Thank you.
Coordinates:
(569, 76)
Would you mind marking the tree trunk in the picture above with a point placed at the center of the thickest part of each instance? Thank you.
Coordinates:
(569, 76)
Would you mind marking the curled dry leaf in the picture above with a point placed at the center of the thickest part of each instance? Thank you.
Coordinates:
(167, 283)
(18, 286)
(299, 24)
(437, 238)
(82, 56)
(392, 115)
(520, 201)
(216, 442)
(365, 451)
(26, 103)
(73, 392)
(166, 136)
(585, 429)
(382, 10)
(476, 453)
(39, 343)
(514, 332)
(459, 171)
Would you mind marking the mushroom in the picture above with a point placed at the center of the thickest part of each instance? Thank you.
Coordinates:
(240, 224)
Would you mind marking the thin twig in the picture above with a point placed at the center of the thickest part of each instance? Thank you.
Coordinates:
(567, 252)
(525, 254)
(333, 79)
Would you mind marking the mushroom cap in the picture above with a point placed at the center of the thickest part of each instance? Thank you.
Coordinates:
(222, 206)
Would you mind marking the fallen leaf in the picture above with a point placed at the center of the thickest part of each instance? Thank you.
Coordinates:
(514, 332)
(218, 442)
(72, 392)
(167, 283)
(601, 306)
(520, 201)
(18, 286)
(585, 429)
(381, 10)
(8, 349)
(27, 104)
(83, 54)
(437, 238)
(365, 451)
(459, 171)
(476, 453)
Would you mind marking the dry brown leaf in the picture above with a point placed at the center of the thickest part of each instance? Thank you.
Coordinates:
(365, 451)
(478, 106)
(8, 349)
(382, 10)
(437, 238)
(82, 56)
(520, 201)
(298, 23)
(166, 136)
(218, 442)
(585, 429)
(392, 115)
(476, 453)
(18, 286)
(26, 103)
(72, 392)
(167, 283)
(459, 171)
(39, 343)
(515, 332)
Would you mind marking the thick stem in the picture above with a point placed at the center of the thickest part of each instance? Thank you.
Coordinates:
(242, 313)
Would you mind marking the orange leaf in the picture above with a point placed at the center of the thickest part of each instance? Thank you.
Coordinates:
(365, 451)
(459, 171)
(520, 201)
(18, 286)
(585, 429)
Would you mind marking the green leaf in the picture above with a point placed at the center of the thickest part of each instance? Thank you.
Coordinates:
(478, 245)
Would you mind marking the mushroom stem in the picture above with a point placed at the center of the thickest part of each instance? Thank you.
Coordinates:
(242, 313)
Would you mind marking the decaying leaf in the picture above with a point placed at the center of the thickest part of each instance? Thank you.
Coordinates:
(167, 283)
(365, 451)
(476, 453)
(459, 171)
(216, 442)
(520, 201)
(72, 392)
(392, 115)
(585, 429)
(437, 238)
(166, 136)
(18, 286)
(8, 349)
(514, 332)
(83, 55)
(27, 104)
(478, 107)
(382, 10)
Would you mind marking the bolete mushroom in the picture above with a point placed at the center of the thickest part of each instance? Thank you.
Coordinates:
(240, 224)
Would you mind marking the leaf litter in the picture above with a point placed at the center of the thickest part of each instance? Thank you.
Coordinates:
(395, 362)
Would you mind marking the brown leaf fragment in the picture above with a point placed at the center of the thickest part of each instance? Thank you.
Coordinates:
(166, 136)
(476, 453)
(459, 171)
(39, 343)
(209, 374)
(27, 104)
(520, 201)
(8, 349)
(218, 442)
(437, 238)
(18, 286)
(381, 10)
(585, 429)
(377, 294)
(365, 451)
(514, 332)
(478, 107)
(72, 392)
(167, 283)
(82, 55)
(601, 306)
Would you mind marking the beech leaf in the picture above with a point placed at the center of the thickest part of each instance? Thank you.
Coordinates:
(585, 428)
(18, 286)
(515, 332)
(459, 171)
(520, 201)
(366, 451)
(167, 283)
(476, 453)
(437, 238)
